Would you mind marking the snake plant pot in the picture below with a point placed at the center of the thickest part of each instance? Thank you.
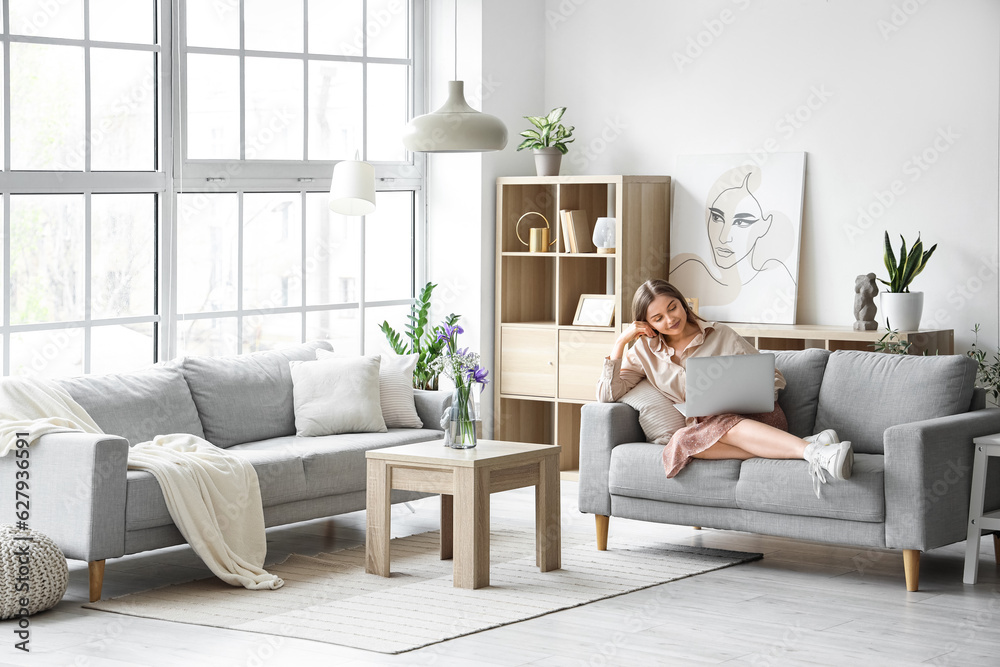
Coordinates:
(902, 309)
(547, 161)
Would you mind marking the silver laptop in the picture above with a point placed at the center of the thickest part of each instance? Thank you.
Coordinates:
(739, 384)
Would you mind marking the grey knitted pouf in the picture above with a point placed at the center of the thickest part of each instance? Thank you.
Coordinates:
(45, 572)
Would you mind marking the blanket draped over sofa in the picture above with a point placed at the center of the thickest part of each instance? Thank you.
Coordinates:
(212, 496)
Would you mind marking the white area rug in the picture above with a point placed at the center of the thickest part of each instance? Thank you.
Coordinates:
(330, 598)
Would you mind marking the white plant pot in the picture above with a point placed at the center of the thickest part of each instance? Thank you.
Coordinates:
(903, 310)
(547, 161)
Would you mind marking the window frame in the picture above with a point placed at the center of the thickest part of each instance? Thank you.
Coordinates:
(88, 183)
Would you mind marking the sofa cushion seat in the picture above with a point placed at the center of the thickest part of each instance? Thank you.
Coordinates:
(785, 487)
(637, 472)
(279, 473)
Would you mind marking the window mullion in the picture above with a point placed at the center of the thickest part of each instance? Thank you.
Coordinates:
(88, 266)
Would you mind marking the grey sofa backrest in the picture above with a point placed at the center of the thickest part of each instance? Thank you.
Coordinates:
(803, 371)
(864, 393)
(247, 397)
(138, 405)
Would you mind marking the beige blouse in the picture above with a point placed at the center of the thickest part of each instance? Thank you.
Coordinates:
(652, 358)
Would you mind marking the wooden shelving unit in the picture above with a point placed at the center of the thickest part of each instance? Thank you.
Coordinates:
(546, 367)
(802, 336)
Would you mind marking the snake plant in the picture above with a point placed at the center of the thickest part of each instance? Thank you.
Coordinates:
(910, 264)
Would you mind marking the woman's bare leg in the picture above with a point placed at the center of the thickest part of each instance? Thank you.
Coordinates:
(755, 439)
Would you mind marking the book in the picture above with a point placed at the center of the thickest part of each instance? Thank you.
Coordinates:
(580, 233)
(566, 224)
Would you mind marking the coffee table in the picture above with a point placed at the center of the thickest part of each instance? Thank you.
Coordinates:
(465, 478)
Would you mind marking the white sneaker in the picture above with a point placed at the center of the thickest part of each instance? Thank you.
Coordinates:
(827, 437)
(836, 459)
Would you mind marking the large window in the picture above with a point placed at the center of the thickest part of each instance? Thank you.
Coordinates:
(165, 168)
(81, 185)
(272, 94)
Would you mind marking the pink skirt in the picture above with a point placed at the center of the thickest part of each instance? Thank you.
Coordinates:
(707, 431)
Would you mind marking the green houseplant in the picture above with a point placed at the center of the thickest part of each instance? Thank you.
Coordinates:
(548, 141)
(902, 308)
(988, 373)
(424, 341)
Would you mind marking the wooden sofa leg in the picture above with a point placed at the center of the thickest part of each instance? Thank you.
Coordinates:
(96, 579)
(696, 527)
(996, 547)
(911, 568)
(602, 531)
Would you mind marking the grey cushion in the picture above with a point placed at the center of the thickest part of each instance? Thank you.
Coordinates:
(803, 371)
(248, 397)
(637, 472)
(139, 405)
(864, 393)
(785, 487)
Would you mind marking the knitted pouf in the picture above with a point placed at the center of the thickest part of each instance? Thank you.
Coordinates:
(45, 569)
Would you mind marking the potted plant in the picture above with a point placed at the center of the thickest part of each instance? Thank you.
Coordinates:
(548, 141)
(901, 307)
(425, 341)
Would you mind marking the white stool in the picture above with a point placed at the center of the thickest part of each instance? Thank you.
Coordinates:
(986, 447)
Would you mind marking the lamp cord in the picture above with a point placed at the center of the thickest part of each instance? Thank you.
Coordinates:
(456, 41)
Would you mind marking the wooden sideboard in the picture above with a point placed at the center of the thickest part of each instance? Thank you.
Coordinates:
(802, 336)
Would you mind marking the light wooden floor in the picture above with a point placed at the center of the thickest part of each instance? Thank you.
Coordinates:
(803, 603)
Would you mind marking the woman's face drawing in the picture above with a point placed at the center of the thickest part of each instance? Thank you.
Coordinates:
(735, 222)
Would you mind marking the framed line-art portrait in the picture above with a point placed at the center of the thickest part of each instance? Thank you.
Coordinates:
(595, 310)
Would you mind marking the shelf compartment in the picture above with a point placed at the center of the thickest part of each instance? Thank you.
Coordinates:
(528, 361)
(515, 202)
(527, 291)
(581, 359)
(568, 435)
(580, 276)
(525, 421)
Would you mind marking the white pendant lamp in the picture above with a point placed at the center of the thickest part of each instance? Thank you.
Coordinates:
(455, 127)
(352, 189)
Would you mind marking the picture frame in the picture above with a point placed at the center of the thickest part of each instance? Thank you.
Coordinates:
(692, 302)
(595, 310)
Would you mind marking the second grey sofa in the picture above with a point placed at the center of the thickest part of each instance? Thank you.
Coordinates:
(911, 421)
(85, 499)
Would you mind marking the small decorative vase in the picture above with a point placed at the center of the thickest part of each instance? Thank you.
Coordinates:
(547, 161)
(903, 310)
(461, 430)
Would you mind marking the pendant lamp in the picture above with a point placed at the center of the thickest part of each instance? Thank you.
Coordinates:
(352, 188)
(456, 127)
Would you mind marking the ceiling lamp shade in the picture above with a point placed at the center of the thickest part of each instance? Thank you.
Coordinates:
(455, 128)
(352, 189)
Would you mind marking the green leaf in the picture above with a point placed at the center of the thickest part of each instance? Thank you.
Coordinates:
(890, 259)
(530, 133)
(528, 143)
(927, 256)
(394, 339)
(556, 115)
(537, 121)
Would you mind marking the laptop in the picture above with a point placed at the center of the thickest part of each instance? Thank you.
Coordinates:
(739, 384)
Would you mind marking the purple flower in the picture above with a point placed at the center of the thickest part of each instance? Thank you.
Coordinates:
(477, 374)
(450, 331)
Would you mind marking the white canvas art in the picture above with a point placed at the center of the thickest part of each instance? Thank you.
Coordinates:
(734, 235)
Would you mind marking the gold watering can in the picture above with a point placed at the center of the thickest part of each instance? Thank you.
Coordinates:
(538, 237)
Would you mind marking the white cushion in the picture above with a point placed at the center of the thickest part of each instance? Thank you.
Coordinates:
(338, 395)
(657, 415)
(395, 382)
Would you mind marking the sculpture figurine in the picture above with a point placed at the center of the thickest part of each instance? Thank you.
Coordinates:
(865, 290)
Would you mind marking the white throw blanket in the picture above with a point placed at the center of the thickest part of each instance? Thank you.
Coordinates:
(212, 495)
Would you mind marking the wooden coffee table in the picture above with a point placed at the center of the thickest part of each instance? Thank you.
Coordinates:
(465, 478)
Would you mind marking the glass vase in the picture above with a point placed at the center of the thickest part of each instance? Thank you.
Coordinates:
(464, 411)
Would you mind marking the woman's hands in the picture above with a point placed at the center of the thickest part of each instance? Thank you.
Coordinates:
(636, 330)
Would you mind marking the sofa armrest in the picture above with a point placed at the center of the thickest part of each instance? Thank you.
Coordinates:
(928, 476)
(431, 406)
(603, 426)
(77, 492)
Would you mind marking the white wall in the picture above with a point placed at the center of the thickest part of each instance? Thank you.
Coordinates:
(872, 87)
(501, 51)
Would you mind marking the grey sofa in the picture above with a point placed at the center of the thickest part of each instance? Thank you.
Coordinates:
(85, 499)
(911, 421)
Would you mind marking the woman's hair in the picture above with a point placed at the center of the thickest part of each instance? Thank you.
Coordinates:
(651, 289)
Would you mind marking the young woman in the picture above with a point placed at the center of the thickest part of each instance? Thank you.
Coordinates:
(666, 333)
